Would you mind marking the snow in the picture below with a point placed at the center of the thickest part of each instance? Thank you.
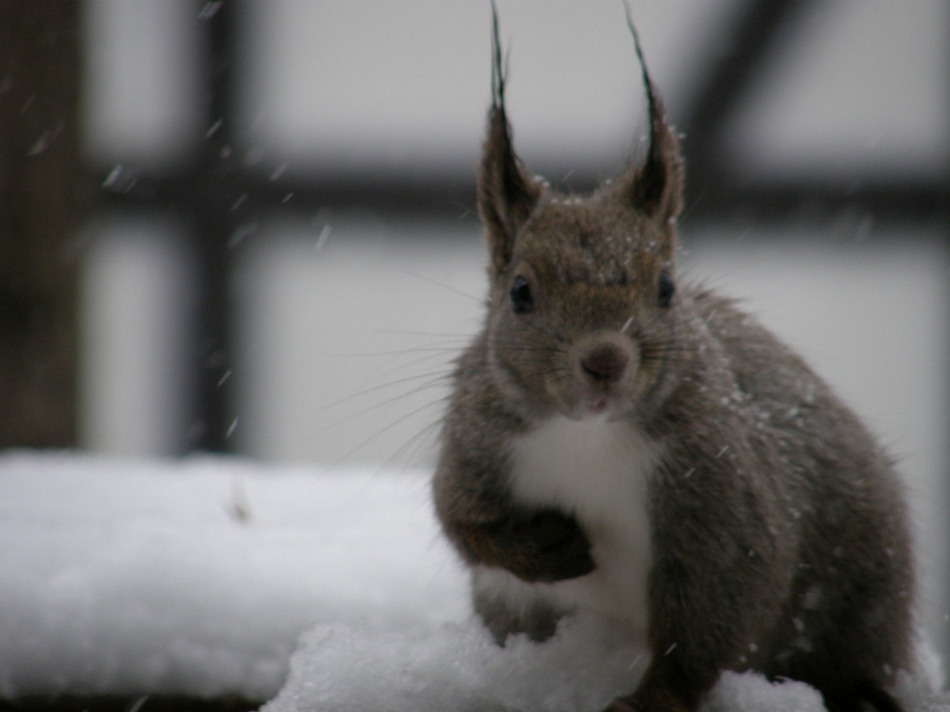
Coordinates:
(136, 576)
(317, 590)
(358, 667)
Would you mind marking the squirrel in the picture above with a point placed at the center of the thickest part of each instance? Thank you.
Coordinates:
(619, 441)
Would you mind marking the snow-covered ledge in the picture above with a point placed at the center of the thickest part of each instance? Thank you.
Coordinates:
(199, 576)
(202, 578)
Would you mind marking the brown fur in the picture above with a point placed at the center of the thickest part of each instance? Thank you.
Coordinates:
(778, 526)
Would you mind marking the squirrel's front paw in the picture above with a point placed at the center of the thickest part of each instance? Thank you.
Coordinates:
(549, 546)
(539, 546)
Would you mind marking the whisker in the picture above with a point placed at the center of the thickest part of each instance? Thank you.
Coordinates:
(415, 442)
(382, 431)
(434, 378)
(445, 286)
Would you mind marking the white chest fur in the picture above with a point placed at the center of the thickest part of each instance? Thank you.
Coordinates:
(596, 470)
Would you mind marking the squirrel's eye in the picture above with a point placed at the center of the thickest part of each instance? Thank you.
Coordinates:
(520, 294)
(666, 289)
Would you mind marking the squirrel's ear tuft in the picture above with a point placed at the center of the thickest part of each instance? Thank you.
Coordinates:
(656, 186)
(506, 193)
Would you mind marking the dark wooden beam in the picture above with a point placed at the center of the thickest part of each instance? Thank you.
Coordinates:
(44, 194)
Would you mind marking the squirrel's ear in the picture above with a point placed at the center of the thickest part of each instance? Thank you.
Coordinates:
(506, 193)
(656, 186)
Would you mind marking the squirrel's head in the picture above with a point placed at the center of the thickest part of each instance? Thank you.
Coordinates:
(582, 287)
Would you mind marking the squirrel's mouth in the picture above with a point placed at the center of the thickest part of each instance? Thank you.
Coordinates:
(581, 399)
(595, 407)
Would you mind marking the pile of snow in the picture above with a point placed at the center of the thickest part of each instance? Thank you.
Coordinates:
(356, 667)
(203, 577)
(198, 577)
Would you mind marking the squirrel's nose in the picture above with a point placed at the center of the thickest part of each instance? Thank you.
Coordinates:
(605, 363)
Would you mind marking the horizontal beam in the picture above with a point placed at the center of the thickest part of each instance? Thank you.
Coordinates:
(451, 195)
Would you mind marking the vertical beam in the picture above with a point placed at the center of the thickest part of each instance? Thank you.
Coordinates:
(752, 32)
(43, 195)
(944, 640)
(212, 222)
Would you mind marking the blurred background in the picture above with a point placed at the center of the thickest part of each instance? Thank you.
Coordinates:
(248, 227)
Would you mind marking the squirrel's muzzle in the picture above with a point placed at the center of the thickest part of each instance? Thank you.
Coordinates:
(605, 363)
